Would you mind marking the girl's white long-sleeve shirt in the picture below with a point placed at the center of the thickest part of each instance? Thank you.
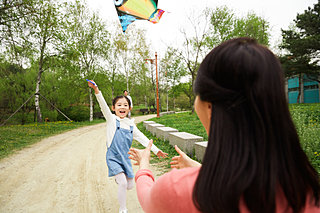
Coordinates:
(124, 123)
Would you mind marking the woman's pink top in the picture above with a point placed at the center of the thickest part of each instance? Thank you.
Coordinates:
(172, 192)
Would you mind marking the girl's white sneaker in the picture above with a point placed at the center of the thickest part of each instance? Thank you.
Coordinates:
(123, 211)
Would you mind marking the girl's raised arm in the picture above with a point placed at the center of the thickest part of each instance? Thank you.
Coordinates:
(102, 102)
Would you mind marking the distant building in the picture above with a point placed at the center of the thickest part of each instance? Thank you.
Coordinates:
(309, 92)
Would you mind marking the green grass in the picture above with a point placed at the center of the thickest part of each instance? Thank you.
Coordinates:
(162, 164)
(307, 120)
(305, 116)
(16, 137)
(184, 122)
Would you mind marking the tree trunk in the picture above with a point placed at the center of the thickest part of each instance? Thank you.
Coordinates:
(155, 96)
(299, 89)
(160, 109)
(145, 101)
(91, 105)
(167, 101)
(319, 91)
(127, 77)
(302, 89)
(37, 98)
(154, 88)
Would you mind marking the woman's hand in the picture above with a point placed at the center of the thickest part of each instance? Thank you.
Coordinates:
(183, 160)
(162, 154)
(141, 156)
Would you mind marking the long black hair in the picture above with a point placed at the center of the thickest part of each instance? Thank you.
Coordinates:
(253, 149)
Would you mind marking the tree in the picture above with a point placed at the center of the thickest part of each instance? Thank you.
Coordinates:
(175, 70)
(211, 28)
(14, 10)
(309, 23)
(252, 26)
(31, 36)
(16, 84)
(13, 16)
(43, 30)
(194, 47)
(131, 52)
(29, 33)
(225, 25)
(302, 43)
(88, 40)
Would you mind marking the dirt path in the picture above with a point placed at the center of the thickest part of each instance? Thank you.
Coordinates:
(63, 173)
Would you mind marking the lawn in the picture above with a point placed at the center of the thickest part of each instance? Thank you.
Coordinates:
(305, 116)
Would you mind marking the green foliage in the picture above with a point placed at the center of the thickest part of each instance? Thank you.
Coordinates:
(182, 103)
(302, 43)
(76, 113)
(309, 23)
(225, 25)
(16, 87)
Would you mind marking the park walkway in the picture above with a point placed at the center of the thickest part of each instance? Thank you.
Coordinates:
(63, 173)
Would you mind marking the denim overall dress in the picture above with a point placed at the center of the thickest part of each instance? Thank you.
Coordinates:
(117, 155)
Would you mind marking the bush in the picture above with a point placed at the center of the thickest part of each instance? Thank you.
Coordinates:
(182, 102)
(51, 115)
(75, 113)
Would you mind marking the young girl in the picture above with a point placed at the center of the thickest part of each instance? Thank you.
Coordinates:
(120, 133)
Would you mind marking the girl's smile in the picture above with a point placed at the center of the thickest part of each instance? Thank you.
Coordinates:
(121, 108)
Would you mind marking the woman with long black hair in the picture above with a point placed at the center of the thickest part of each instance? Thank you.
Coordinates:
(254, 161)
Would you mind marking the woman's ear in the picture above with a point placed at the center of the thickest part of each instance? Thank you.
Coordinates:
(209, 110)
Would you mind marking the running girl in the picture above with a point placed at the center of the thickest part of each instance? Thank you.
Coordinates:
(120, 133)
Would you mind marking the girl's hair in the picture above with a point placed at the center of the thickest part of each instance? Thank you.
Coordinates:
(115, 100)
(253, 151)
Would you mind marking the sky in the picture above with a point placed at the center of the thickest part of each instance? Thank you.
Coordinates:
(279, 13)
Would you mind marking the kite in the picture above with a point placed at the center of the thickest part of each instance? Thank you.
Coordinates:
(131, 10)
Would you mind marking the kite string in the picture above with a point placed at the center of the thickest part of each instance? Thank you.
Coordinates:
(95, 75)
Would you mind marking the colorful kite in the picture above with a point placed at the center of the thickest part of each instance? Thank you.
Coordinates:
(131, 10)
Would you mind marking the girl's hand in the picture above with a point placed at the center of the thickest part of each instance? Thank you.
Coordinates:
(183, 160)
(141, 156)
(93, 86)
(162, 154)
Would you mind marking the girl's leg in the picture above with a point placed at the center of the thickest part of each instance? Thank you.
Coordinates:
(122, 190)
(130, 183)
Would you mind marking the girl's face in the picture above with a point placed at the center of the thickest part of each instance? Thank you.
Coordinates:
(203, 110)
(121, 108)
